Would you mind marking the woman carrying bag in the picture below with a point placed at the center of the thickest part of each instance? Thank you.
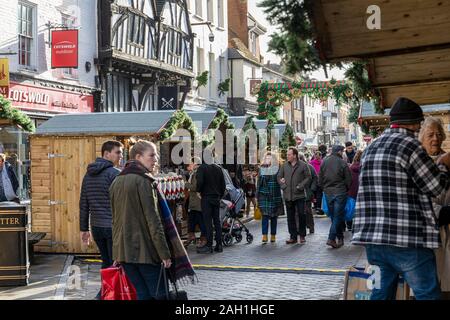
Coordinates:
(269, 196)
(144, 237)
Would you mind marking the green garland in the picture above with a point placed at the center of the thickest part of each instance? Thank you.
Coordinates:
(224, 86)
(16, 116)
(202, 79)
(179, 119)
(220, 118)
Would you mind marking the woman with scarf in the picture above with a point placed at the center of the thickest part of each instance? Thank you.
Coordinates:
(145, 238)
(269, 196)
(432, 135)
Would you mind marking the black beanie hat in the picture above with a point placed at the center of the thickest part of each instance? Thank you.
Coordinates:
(406, 111)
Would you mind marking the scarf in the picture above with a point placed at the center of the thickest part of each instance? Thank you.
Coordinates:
(181, 268)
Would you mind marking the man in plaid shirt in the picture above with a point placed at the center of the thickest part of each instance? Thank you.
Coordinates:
(394, 217)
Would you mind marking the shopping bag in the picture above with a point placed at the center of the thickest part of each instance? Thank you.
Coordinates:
(169, 295)
(358, 283)
(257, 215)
(350, 209)
(116, 285)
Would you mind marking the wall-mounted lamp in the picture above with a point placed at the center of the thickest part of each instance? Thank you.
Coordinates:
(208, 23)
(88, 66)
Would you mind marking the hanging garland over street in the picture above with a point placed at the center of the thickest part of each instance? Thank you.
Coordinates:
(16, 116)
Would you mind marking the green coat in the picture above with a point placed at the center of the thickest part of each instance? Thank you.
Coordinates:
(195, 203)
(297, 178)
(138, 232)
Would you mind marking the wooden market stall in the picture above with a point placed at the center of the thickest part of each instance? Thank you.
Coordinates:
(62, 148)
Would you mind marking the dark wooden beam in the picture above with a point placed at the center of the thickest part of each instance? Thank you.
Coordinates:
(412, 83)
(320, 27)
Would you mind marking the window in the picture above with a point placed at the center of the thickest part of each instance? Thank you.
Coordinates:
(222, 69)
(198, 8)
(69, 22)
(210, 12)
(25, 31)
(253, 37)
(175, 43)
(253, 73)
(220, 14)
(212, 75)
(136, 30)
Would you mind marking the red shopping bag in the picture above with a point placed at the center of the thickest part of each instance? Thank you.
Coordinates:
(116, 285)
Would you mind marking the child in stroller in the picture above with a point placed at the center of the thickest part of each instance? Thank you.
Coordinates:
(230, 207)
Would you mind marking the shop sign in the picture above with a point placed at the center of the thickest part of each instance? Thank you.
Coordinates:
(4, 76)
(49, 100)
(64, 49)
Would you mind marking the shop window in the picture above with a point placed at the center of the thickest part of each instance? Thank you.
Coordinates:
(25, 31)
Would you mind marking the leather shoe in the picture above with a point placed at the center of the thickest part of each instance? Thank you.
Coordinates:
(302, 240)
(218, 248)
(291, 241)
(205, 249)
(332, 243)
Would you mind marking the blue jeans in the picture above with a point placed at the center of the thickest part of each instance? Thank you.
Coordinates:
(144, 278)
(336, 209)
(416, 265)
(273, 224)
(103, 240)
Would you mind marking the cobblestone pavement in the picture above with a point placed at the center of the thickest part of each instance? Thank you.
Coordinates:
(254, 285)
(301, 280)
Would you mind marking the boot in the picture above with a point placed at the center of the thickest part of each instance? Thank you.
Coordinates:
(332, 243)
(340, 243)
(264, 239)
(273, 238)
(205, 249)
(218, 248)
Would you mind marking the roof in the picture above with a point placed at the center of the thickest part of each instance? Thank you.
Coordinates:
(239, 50)
(367, 110)
(205, 117)
(239, 122)
(105, 123)
(261, 124)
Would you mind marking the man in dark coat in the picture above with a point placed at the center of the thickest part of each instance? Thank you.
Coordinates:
(211, 185)
(95, 201)
(8, 181)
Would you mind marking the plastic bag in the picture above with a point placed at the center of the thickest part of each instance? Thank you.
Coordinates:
(116, 285)
(349, 212)
(257, 215)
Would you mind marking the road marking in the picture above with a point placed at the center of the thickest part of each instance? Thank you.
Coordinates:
(333, 272)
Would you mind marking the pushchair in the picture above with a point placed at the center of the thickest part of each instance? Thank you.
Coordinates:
(230, 206)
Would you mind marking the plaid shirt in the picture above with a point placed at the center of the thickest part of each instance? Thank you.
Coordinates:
(397, 181)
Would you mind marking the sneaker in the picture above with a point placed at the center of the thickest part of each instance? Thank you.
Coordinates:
(205, 249)
(291, 241)
(273, 238)
(302, 240)
(332, 243)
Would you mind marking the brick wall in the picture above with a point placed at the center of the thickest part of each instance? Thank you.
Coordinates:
(237, 20)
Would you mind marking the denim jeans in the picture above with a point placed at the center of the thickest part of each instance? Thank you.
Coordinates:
(293, 208)
(336, 209)
(416, 265)
(196, 218)
(273, 224)
(144, 278)
(103, 239)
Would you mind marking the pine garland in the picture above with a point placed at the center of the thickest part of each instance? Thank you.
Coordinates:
(202, 79)
(220, 118)
(224, 86)
(16, 116)
(179, 119)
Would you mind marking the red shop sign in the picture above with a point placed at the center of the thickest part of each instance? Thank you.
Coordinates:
(64, 49)
(33, 98)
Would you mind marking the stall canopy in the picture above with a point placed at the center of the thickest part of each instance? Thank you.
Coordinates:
(261, 124)
(205, 118)
(408, 56)
(239, 122)
(105, 123)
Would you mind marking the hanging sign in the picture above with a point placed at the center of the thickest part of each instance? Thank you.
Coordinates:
(4, 76)
(64, 49)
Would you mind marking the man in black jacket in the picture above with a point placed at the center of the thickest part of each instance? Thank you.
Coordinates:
(8, 181)
(211, 185)
(95, 203)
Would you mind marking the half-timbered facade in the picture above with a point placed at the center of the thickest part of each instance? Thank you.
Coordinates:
(145, 54)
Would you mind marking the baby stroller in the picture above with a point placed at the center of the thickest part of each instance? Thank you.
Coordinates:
(230, 206)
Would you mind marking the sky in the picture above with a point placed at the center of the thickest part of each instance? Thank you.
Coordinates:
(269, 56)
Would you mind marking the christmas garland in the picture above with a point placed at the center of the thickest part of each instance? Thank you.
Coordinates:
(202, 79)
(16, 116)
(224, 86)
(220, 118)
(179, 119)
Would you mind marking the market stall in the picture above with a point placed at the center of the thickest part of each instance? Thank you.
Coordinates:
(62, 148)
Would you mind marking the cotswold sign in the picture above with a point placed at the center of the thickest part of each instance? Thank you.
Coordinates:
(34, 98)
(64, 49)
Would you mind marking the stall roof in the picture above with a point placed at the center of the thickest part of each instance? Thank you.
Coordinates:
(367, 110)
(261, 124)
(239, 122)
(205, 117)
(281, 127)
(105, 123)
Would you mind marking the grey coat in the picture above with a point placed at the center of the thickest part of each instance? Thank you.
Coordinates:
(297, 177)
(335, 176)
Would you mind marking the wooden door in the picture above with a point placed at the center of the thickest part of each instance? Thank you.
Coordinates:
(69, 161)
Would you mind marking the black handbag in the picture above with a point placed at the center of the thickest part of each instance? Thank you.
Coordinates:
(170, 295)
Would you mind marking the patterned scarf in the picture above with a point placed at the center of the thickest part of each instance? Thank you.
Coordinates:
(181, 269)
